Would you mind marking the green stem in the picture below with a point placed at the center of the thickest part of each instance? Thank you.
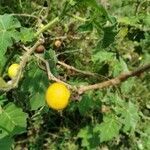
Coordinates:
(71, 51)
(46, 26)
(79, 18)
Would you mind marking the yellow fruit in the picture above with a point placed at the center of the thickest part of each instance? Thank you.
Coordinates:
(13, 70)
(57, 96)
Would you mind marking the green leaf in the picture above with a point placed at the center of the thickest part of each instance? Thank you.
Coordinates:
(108, 129)
(8, 22)
(113, 99)
(129, 116)
(8, 32)
(85, 135)
(27, 34)
(95, 5)
(146, 136)
(13, 120)
(109, 36)
(132, 21)
(89, 103)
(90, 139)
(103, 56)
(38, 84)
(85, 27)
(146, 58)
(2, 99)
(86, 104)
(37, 99)
(6, 143)
(123, 31)
(50, 56)
(126, 87)
(119, 67)
(146, 20)
(146, 142)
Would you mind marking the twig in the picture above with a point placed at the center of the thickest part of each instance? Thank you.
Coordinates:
(75, 69)
(49, 73)
(25, 15)
(115, 81)
(73, 37)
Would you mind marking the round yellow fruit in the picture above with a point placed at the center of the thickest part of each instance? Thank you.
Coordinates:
(57, 96)
(13, 70)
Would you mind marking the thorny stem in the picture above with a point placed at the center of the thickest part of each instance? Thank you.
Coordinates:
(49, 73)
(46, 26)
(75, 69)
(25, 15)
(79, 18)
(115, 81)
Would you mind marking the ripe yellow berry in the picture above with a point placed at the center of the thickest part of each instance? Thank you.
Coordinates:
(13, 70)
(57, 96)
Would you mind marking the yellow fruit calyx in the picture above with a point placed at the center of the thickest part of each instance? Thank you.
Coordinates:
(13, 70)
(57, 96)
